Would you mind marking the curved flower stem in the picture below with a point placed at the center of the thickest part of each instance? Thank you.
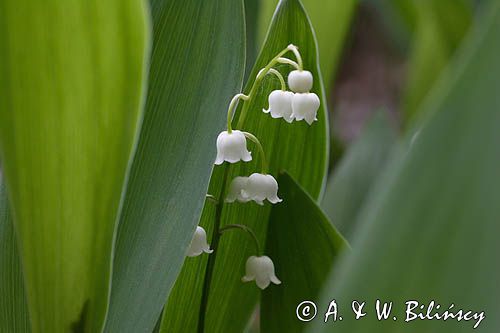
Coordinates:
(288, 62)
(212, 199)
(296, 52)
(211, 258)
(254, 139)
(244, 228)
(232, 107)
(278, 75)
(258, 80)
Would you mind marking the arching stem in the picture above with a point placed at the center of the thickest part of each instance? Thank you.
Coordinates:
(296, 52)
(258, 79)
(212, 199)
(288, 62)
(232, 108)
(247, 230)
(277, 74)
(254, 139)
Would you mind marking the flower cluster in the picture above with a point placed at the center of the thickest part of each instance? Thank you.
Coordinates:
(258, 187)
(295, 105)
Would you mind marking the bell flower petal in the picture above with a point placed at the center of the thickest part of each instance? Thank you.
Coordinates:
(199, 243)
(260, 269)
(280, 105)
(300, 81)
(261, 187)
(305, 107)
(235, 192)
(232, 147)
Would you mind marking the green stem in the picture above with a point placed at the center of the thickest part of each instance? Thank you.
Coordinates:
(232, 108)
(211, 258)
(212, 199)
(254, 139)
(244, 228)
(256, 83)
(288, 62)
(296, 52)
(278, 75)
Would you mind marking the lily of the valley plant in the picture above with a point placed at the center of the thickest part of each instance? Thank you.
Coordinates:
(297, 104)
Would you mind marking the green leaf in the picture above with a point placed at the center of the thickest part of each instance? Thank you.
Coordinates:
(430, 230)
(331, 21)
(439, 29)
(13, 307)
(456, 17)
(361, 166)
(304, 247)
(298, 147)
(252, 10)
(197, 64)
(70, 100)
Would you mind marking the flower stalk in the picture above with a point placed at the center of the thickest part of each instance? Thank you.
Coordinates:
(207, 282)
(247, 230)
(296, 104)
(254, 139)
(289, 62)
(258, 79)
(232, 108)
(212, 199)
(277, 74)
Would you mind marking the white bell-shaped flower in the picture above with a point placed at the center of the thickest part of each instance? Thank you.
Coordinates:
(280, 105)
(260, 269)
(236, 190)
(300, 81)
(232, 147)
(305, 107)
(199, 243)
(260, 187)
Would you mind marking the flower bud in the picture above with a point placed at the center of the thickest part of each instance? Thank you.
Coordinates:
(232, 147)
(236, 188)
(280, 105)
(300, 81)
(305, 106)
(260, 269)
(260, 187)
(199, 243)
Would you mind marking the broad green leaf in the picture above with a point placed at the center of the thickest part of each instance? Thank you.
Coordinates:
(349, 185)
(439, 29)
(430, 230)
(70, 101)
(298, 147)
(252, 10)
(456, 17)
(13, 307)
(429, 56)
(304, 247)
(331, 21)
(197, 64)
